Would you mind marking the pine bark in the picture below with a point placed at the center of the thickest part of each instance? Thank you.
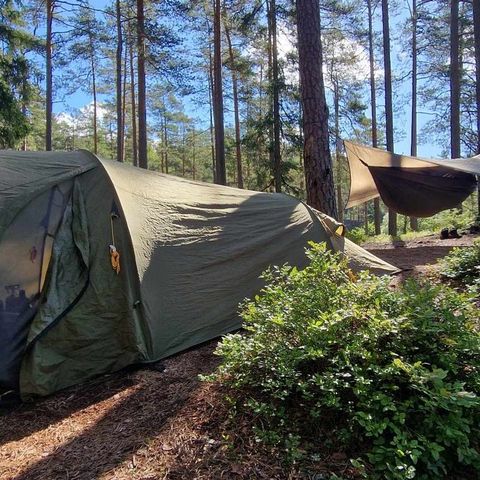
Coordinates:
(319, 181)
(413, 139)
(269, 94)
(134, 109)
(277, 160)
(210, 104)
(165, 138)
(141, 85)
(118, 81)
(392, 216)
(48, 77)
(476, 33)
(95, 106)
(220, 177)
(454, 80)
(238, 145)
(124, 94)
(336, 102)
(373, 105)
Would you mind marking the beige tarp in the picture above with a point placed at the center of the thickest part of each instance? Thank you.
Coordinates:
(421, 186)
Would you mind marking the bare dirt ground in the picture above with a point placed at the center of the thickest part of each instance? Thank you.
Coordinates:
(417, 258)
(148, 424)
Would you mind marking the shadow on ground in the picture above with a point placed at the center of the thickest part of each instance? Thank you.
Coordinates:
(134, 410)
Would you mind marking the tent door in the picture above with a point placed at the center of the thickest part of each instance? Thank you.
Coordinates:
(25, 252)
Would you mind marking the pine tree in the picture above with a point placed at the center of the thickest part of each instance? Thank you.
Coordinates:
(14, 75)
(392, 216)
(318, 162)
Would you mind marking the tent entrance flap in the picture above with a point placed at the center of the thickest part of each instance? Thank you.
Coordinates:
(25, 252)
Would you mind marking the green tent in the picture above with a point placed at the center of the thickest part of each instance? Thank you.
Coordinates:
(103, 265)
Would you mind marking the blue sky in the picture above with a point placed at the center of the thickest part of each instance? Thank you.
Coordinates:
(402, 122)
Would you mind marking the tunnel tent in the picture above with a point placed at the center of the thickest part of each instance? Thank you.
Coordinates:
(409, 185)
(103, 265)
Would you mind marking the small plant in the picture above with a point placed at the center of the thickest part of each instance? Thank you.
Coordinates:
(463, 264)
(331, 363)
(357, 235)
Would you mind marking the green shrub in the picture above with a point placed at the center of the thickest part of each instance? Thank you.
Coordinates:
(330, 362)
(450, 219)
(357, 235)
(462, 264)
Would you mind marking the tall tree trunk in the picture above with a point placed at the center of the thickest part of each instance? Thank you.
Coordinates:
(134, 109)
(455, 147)
(118, 82)
(277, 160)
(50, 4)
(194, 164)
(373, 105)
(210, 104)
(238, 146)
(476, 31)
(269, 96)
(336, 102)
(183, 151)
(221, 176)
(318, 161)
(165, 139)
(124, 93)
(94, 92)
(413, 145)
(91, 48)
(454, 80)
(392, 216)
(142, 103)
(24, 108)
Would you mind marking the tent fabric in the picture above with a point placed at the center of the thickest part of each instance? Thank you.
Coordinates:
(408, 185)
(21, 180)
(189, 253)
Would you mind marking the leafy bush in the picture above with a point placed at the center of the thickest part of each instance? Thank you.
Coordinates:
(463, 264)
(357, 235)
(331, 362)
(450, 219)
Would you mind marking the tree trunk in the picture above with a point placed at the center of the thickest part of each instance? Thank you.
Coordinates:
(165, 139)
(373, 104)
(336, 102)
(134, 110)
(318, 161)
(392, 216)
(194, 165)
(238, 145)
(210, 104)
(24, 110)
(91, 48)
(142, 106)
(277, 160)
(94, 91)
(118, 81)
(124, 94)
(454, 81)
(413, 145)
(50, 4)
(269, 96)
(220, 177)
(476, 31)
(183, 151)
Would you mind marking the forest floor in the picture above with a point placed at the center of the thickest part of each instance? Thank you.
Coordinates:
(151, 424)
